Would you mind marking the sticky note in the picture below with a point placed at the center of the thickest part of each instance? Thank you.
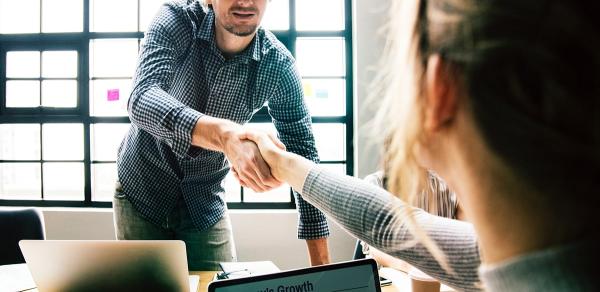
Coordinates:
(112, 94)
(322, 93)
(308, 89)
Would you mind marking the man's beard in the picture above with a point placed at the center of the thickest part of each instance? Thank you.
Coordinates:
(241, 32)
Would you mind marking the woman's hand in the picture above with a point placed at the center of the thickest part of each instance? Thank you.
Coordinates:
(271, 149)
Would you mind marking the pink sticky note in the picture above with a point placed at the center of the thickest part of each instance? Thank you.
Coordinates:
(112, 94)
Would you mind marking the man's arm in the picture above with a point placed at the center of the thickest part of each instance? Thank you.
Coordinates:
(150, 106)
(157, 112)
(318, 251)
(293, 123)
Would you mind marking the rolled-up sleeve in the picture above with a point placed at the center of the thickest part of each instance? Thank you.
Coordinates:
(150, 106)
(293, 123)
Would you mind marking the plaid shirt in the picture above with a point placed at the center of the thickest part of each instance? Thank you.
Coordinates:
(181, 75)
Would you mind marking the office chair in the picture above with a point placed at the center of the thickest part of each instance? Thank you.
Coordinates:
(358, 251)
(14, 226)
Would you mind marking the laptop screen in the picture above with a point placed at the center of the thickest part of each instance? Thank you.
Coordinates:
(354, 276)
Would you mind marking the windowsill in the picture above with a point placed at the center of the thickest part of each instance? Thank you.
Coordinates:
(109, 210)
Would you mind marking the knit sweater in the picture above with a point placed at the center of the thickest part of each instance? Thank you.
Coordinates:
(378, 218)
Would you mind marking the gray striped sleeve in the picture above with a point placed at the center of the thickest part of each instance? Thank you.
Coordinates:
(374, 216)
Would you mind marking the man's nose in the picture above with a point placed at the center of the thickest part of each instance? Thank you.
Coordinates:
(245, 3)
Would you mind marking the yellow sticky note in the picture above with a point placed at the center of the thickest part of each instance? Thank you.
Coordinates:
(308, 88)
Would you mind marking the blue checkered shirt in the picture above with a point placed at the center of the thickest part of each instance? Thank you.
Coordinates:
(181, 76)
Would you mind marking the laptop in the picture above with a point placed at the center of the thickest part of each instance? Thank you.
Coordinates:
(108, 265)
(356, 276)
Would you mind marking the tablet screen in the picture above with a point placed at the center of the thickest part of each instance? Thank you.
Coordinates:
(354, 276)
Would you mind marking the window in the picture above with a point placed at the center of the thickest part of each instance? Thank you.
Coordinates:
(66, 69)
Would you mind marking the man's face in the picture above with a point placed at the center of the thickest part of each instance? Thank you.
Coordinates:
(239, 17)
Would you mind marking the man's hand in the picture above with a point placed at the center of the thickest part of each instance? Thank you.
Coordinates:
(246, 161)
(271, 149)
(247, 164)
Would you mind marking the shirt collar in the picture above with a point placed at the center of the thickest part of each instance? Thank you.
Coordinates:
(207, 34)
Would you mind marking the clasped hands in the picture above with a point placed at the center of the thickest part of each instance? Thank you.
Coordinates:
(254, 157)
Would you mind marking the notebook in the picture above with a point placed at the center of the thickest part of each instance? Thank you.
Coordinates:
(232, 270)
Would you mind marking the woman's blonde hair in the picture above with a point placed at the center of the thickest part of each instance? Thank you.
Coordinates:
(529, 71)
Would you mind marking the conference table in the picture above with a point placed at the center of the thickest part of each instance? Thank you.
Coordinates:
(19, 275)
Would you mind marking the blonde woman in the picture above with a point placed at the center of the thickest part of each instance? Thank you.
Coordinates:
(502, 100)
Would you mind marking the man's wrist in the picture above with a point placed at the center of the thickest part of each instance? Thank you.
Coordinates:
(318, 251)
(212, 133)
(225, 132)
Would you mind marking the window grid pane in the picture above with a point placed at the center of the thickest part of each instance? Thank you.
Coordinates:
(23, 64)
(113, 15)
(62, 142)
(109, 97)
(63, 181)
(59, 64)
(20, 181)
(321, 56)
(104, 177)
(19, 141)
(113, 57)
(21, 94)
(19, 16)
(62, 16)
(325, 97)
(320, 15)
(277, 16)
(106, 139)
(59, 93)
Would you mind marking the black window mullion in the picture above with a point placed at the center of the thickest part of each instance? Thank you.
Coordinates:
(349, 88)
(2, 79)
(84, 98)
(40, 77)
(41, 164)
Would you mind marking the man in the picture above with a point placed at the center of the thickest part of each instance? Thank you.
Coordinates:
(201, 72)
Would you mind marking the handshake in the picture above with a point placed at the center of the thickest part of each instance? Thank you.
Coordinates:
(258, 159)
(255, 158)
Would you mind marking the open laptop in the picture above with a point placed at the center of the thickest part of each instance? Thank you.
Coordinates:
(108, 265)
(356, 276)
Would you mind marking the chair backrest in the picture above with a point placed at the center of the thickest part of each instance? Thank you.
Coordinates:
(17, 224)
(358, 251)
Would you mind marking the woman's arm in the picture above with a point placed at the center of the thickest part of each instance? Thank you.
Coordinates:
(378, 218)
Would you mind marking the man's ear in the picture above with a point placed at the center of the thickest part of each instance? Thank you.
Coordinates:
(441, 92)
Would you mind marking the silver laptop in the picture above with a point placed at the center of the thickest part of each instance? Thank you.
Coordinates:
(108, 265)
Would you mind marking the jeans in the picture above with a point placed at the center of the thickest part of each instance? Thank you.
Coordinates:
(205, 249)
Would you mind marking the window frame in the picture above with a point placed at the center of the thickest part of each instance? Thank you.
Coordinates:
(80, 41)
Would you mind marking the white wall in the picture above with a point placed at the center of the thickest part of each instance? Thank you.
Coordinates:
(259, 235)
(369, 16)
